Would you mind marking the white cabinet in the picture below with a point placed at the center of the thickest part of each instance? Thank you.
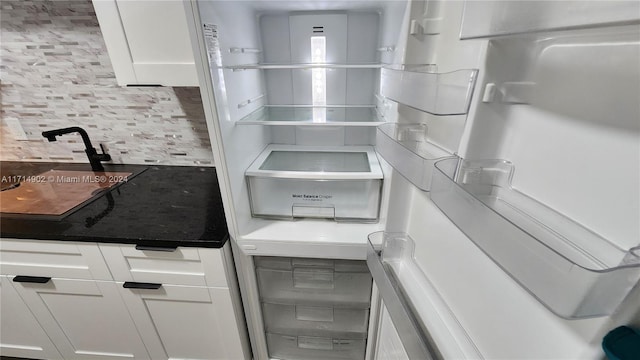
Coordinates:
(148, 41)
(86, 319)
(180, 300)
(73, 260)
(177, 303)
(20, 333)
(180, 266)
(184, 322)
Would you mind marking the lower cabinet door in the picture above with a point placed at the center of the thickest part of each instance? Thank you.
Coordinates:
(85, 319)
(20, 333)
(185, 322)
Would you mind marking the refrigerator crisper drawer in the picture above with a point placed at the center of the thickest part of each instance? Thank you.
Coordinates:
(311, 348)
(288, 263)
(316, 321)
(315, 182)
(315, 286)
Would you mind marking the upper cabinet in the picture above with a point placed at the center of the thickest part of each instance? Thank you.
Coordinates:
(148, 41)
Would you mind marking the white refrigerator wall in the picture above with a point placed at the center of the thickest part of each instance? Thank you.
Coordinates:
(237, 27)
(352, 37)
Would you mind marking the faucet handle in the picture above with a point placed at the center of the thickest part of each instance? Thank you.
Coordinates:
(104, 156)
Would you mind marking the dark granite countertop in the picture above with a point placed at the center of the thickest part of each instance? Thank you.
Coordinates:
(163, 206)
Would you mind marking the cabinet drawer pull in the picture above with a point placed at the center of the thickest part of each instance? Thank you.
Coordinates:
(32, 279)
(156, 248)
(141, 285)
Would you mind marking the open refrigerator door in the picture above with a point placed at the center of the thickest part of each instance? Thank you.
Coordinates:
(534, 262)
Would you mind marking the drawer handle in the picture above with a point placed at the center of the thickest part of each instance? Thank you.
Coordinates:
(32, 279)
(156, 248)
(313, 278)
(141, 285)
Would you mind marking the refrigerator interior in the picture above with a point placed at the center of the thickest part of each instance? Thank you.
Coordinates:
(252, 34)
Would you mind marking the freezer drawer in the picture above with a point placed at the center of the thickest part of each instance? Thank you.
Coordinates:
(287, 263)
(315, 182)
(315, 286)
(320, 321)
(313, 348)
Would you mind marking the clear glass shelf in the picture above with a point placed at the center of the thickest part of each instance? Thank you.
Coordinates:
(301, 66)
(434, 93)
(406, 148)
(313, 116)
(487, 19)
(573, 271)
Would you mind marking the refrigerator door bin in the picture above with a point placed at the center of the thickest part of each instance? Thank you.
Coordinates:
(301, 115)
(315, 321)
(318, 182)
(287, 347)
(434, 93)
(573, 271)
(406, 148)
(315, 286)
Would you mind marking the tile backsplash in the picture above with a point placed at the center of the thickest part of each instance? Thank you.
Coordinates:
(55, 72)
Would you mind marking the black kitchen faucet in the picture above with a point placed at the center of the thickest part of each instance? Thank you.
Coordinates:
(94, 158)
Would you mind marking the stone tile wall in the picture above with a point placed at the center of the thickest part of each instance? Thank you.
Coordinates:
(55, 72)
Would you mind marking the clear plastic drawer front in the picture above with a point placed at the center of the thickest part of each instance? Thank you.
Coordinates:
(333, 199)
(323, 321)
(316, 182)
(314, 282)
(287, 263)
(304, 286)
(313, 348)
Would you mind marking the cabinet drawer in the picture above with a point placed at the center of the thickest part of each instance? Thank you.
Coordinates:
(311, 348)
(179, 266)
(315, 321)
(315, 286)
(60, 259)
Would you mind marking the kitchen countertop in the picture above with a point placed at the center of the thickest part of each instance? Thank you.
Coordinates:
(163, 206)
